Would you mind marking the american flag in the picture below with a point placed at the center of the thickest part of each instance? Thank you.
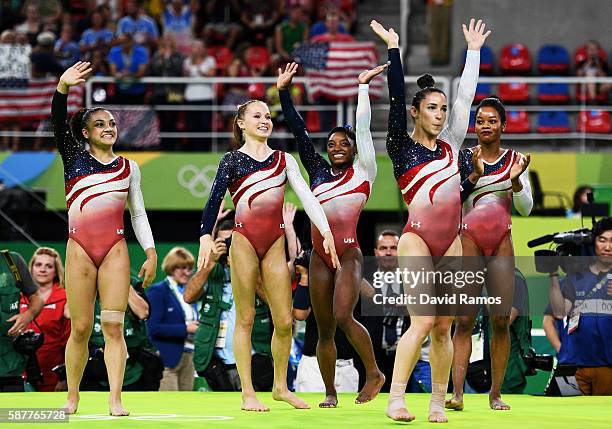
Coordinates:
(30, 99)
(333, 67)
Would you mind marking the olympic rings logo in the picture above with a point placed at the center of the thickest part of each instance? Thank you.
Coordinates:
(198, 181)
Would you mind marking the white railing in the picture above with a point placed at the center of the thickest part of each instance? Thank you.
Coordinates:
(580, 136)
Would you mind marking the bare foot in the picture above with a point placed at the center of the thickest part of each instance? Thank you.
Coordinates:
(454, 403)
(371, 388)
(399, 413)
(438, 417)
(330, 401)
(498, 404)
(118, 410)
(290, 398)
(71, 405)
(253, 404)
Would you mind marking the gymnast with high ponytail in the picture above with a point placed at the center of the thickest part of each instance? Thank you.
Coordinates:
(426, 169)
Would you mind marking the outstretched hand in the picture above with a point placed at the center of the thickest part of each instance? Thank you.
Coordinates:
(285, 77)
(390, 37)
(475, 35)
(367, 75)
(520, 165)
(75, 75)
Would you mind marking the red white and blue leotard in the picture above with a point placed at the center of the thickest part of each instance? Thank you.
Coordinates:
(486, 211)
(342, 196)
(96, 193)
(258, 189)
(429, 179)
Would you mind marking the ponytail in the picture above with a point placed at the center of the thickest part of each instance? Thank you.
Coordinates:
(79, 121)
(238, 133)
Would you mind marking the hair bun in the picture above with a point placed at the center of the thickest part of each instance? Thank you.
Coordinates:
(426, 81)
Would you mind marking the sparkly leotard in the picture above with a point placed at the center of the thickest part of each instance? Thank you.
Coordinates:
(96, 192)
(343, 195)
(429, 179)
(486, 211)
(257, 189)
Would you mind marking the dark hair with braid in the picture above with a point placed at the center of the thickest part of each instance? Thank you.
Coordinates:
(426, 83)
(495, 102)
(79, 121)
(238, 133)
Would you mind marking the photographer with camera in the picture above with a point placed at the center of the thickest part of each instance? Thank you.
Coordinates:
(53, 321)
(585, 298)
(214, 352)
(16, 344)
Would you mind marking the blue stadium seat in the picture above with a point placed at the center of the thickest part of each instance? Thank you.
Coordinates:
(487, 60)
(483, 90)
(553, 93)
(553, 59)
(472, 122)
(553, 122)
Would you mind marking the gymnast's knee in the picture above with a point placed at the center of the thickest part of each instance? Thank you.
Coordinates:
(112, 324)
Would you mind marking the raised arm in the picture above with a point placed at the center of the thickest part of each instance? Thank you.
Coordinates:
(459, 117)
(365, 145)
(308, 155)
(140, 224)
(65, 142)
(209, 215)
(311, 206)
(397, 132)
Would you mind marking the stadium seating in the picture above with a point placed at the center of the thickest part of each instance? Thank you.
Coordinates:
(594, 121)
(514, 92)
(487, 60)
(553, 59)
(223, 57)
(515, 59)
(257, 57)
(553, 122)
(517, 122)
(483, 90)
(472, 122)
(553, 93)
(582, 96)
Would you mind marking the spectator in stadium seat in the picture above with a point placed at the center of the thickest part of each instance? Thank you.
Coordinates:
(583, 298)
(199, 64)
(44, 62)
(332, 25)
(179, 19)
(173, 322)
(259, 18)
(98, 37)
(593, 66)
(580, 198)
(128, 62)
(66, 50)
(167, 62)
(221, 19)
(235, 93)
(347, 11)
(320, 26)
(32, 25)
(290, 33)
(54, 320)
(142, 27)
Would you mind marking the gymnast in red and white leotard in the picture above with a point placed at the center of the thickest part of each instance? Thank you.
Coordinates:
(256, 175)
(425, 167)
(492, 180)
(98, 184)
(342, 186)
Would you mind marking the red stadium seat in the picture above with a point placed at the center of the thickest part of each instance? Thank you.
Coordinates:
(313, 121)
(257, 57)
(223, 57)
(514, 92)
(594, 121)
(517, 122)
(515, 59)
